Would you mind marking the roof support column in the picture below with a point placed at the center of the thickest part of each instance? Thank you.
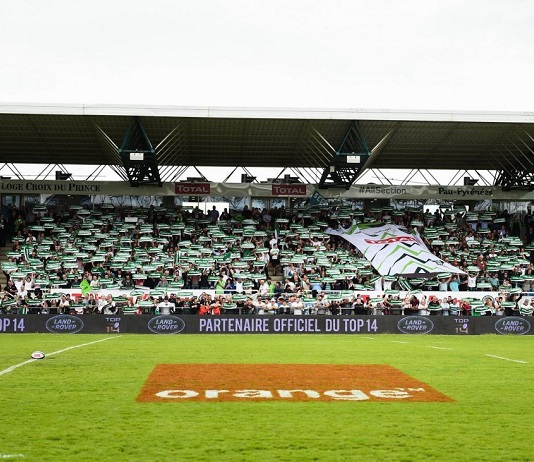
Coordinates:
(139, 156)
(348, 160)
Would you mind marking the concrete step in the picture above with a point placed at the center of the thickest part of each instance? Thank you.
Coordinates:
(277, 277)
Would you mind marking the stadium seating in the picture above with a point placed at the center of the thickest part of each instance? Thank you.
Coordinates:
(158, 251)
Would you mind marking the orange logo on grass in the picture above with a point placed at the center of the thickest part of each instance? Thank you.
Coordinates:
(283, 382)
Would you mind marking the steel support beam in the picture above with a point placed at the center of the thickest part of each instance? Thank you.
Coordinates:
(138, 156)
(519, 174)
(515, 178)
(348, 160)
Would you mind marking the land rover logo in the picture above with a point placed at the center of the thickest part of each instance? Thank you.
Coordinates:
(166, 325)
(512, 325)
(64, 324)
(415, 325)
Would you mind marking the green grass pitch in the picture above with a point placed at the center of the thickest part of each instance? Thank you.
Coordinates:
(80, 405)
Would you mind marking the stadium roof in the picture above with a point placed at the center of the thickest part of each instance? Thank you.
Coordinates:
(268, 137)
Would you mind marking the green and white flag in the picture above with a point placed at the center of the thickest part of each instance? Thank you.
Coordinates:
(394, 252)
(316, 198)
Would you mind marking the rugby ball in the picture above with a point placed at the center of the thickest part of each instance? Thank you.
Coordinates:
(38, 355)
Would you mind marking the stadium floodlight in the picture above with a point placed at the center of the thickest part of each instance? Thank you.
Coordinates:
(60, 176)
(468, 181)
(247, 178)
(288, 179)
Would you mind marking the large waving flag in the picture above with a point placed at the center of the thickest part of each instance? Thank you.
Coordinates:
(394, 252)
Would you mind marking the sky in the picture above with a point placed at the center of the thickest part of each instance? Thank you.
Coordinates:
(450, 55)
(380, 54)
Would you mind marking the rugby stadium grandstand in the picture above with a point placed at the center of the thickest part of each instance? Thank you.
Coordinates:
(280, 247)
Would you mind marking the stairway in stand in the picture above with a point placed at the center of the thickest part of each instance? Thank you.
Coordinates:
(279, 276)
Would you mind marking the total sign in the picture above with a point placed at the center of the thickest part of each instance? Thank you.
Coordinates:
(288, 190)
(192, 189)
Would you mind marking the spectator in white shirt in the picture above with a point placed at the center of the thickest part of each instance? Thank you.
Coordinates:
(264, 288)
(165, 306)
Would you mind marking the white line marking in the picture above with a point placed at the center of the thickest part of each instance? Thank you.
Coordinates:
(11, 456)
(370, 338)
(440, 348)
(12, 368)
(507, 359)
(398, 341)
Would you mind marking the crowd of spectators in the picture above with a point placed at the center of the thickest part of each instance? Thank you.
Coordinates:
(277, 261)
